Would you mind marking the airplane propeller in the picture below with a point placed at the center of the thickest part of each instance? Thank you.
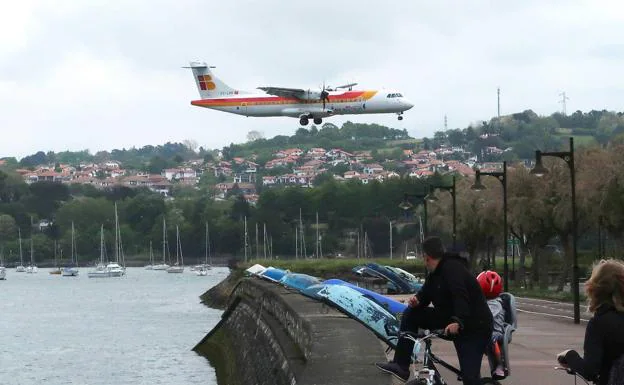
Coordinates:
(325, 95)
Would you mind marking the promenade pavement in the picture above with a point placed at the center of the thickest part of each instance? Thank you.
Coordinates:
(545, 328)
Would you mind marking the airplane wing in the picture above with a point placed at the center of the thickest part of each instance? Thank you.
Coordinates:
(285, 92)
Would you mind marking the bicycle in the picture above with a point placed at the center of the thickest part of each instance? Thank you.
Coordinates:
(429, 374)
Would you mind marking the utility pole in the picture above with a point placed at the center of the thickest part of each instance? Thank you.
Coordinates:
(245, 242)
(563, 102)
(445, 123)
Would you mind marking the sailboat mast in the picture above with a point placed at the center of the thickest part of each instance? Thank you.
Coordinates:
(206, 253)
(19, 234)
(164, 239)
(102, 244)
(208, 243)
(72, 243)
(264, 241)
(116, 237)
(257, 249)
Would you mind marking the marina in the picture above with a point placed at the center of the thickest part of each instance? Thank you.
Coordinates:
(97, 325)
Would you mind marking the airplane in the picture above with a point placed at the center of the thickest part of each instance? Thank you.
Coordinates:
(294, 102)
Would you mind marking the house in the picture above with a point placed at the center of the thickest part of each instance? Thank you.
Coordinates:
(372, 168)
(316, 153)
(111, 165)
(269, 180)
(337, 153)
(351, 174)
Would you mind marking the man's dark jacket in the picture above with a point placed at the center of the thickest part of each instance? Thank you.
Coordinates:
(457, 296)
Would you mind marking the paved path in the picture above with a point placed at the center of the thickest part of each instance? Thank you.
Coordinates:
(545, 328)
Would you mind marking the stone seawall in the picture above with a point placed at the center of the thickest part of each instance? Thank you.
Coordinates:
(271, 335)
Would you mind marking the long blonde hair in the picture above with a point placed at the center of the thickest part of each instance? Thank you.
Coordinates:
(606, 285)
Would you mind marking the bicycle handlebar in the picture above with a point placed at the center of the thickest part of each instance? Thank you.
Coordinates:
(421, 335)
(571, 372)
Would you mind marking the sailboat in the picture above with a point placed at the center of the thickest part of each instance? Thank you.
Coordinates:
(151, 259)
(202, 270)
(163, 265)
(72, 269)
(20, 268)
(56, 270)
(100, 270)
(116, 268)
(32, 267)
(179, 265)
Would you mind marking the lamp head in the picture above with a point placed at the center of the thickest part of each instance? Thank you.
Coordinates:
(539, 169)
(478, 186)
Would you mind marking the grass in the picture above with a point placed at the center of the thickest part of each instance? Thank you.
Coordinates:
(563, 296)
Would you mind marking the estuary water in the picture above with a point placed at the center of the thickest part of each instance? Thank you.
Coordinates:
(137, 329)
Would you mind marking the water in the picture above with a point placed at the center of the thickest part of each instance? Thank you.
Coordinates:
(137, 329)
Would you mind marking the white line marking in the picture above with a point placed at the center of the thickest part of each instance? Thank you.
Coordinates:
(550, 315)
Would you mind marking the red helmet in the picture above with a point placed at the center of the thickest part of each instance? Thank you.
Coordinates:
(491, 283)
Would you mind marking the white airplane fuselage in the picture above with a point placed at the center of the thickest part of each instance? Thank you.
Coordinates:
(218, 96)
(340, 103)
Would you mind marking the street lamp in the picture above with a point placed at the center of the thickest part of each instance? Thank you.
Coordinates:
(478, 186)
(406, 205)
(539, 170)
(432, 198)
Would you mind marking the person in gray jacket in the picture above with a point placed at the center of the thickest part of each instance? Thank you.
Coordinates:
(491, 285)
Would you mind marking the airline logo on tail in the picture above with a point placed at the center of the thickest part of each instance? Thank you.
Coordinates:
(205, 82)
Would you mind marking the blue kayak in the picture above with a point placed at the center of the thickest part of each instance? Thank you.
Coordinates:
(401, 283)
(273, 274)
(394, 307)
(298, 281)
(359, 307)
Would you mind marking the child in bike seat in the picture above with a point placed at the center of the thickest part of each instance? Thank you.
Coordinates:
(491, 284)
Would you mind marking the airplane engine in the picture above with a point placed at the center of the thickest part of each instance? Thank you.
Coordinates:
(311, 95)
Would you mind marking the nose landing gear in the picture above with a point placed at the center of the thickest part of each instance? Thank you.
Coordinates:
(400, 117)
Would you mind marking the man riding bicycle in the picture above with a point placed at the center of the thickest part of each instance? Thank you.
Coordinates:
(459, 307)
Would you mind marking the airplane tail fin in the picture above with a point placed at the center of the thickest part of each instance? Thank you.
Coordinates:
(208, 85)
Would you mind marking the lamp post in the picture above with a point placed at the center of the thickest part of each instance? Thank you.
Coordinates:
(406, 205)
(432, 198)
(502, 177)
(539, 170)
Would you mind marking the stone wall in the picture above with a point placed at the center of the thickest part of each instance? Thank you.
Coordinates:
(271, 335)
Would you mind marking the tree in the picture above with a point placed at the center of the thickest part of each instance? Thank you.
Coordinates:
(191, 144)
(254, 135)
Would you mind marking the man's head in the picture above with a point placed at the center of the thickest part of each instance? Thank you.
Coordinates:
(434, 251)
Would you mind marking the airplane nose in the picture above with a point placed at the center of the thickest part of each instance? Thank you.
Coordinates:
(407, 104)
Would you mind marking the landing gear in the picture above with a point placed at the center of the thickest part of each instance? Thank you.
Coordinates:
(318, 120)
(303, 121)
(400, 115)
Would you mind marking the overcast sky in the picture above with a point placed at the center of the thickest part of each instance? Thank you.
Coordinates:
(100, 75)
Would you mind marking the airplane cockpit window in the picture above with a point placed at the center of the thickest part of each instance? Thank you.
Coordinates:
(394, 96)
(399, 95)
